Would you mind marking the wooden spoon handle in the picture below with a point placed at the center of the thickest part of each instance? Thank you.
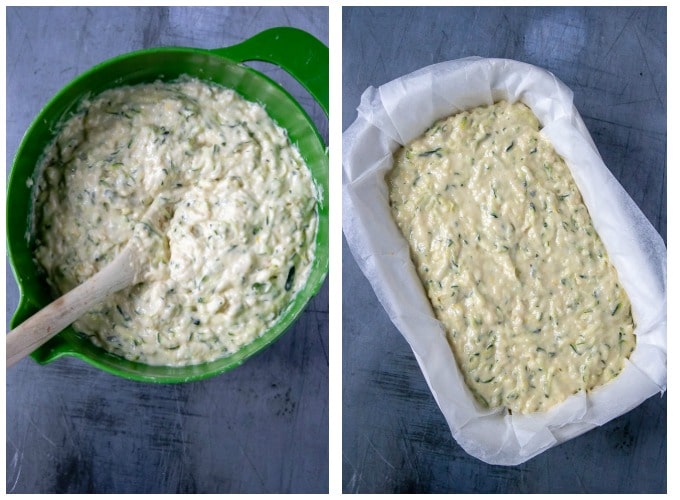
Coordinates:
(52, 319)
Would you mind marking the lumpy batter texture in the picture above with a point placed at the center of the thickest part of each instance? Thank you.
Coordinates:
(235, 240)
(509, 258)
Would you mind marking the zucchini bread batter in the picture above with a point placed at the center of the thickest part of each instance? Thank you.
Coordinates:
(509, 258)
(235, 242)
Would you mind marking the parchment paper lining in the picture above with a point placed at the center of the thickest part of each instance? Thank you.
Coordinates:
(402, 110)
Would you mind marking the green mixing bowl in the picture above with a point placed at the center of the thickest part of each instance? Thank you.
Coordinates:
(297, 52)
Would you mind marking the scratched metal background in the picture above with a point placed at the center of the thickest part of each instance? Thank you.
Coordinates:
(614, 59)
(70, 428)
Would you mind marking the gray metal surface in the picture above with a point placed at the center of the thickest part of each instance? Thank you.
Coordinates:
(395, 439)
(72, 428)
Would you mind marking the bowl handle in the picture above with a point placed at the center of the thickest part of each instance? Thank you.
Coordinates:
(294, 50)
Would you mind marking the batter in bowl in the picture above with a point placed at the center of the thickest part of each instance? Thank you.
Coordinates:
(238, 238)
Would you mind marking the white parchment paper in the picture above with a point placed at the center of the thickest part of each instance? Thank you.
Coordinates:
(402, 110)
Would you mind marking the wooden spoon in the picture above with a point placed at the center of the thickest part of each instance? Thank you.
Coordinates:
(123, 271)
